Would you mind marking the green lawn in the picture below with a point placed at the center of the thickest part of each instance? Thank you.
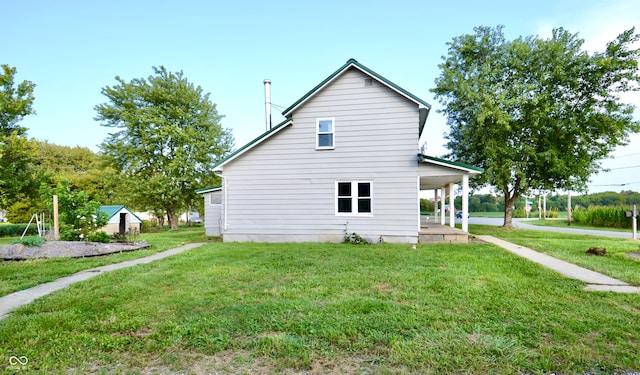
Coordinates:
(572, 248)
(244, 308)
(15, 276)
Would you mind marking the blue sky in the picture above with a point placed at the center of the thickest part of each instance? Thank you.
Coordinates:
(72, 49)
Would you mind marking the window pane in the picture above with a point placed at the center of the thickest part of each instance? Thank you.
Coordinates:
(325, 126)
(344, 204)
(364, 205)
(344, 189)
(325, 140)
(364, 189)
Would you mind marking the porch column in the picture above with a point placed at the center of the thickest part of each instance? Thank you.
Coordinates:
(452, 209)
(435, 206)
(465, 203)
(443, 196)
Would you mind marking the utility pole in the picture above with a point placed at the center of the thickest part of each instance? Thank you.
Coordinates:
(635, 222)
(569, 208)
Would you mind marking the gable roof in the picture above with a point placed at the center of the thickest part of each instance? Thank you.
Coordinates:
(423, 106)
(111, 211)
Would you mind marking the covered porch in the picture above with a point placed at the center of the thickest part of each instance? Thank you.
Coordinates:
(442, 177)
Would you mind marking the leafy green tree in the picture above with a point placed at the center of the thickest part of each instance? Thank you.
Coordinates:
(17, 176)
(84, 169)
(15, 102)
(168, 136)
(536, 113)
(80, 214)
(16, 151)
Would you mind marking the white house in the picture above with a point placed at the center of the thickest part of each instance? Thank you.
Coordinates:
(345, 159)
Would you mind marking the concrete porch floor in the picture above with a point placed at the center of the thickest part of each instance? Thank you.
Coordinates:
(435, 233)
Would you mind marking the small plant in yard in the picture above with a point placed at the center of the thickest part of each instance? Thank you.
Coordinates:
(30, 241)
(131, 236)
(353, 237)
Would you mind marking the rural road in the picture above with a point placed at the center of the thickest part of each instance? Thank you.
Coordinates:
(522, 223)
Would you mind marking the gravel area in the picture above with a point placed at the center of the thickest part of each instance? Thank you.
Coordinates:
(66, 249)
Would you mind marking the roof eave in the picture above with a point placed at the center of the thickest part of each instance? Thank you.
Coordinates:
(208, 189)
(450, 164)
(261, 138)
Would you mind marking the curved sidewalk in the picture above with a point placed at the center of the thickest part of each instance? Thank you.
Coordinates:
(595, 281)
(15, 300)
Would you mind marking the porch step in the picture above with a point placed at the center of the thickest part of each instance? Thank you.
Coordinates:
(444, 238)
(433, 233)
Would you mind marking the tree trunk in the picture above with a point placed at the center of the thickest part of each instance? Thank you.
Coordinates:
(509, 201)
(172, 218)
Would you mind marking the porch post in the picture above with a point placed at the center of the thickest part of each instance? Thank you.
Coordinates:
(452, 209)
(443, 196)
(465, 203)
(435, 206)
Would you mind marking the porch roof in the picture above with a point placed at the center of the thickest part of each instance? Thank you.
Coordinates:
(436, 172)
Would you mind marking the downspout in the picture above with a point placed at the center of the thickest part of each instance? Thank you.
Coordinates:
(224, 189)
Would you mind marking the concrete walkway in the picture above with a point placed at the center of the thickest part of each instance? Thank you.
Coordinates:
(595, 281)
(15, 300)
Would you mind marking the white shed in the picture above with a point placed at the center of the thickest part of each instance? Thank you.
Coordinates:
(121, 220)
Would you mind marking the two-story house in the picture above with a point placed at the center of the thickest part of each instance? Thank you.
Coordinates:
(345, 159)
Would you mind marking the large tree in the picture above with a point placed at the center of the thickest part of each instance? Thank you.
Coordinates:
(16, 151)
(536, 113)
(18, 180)
(168, 136)
(15, 101)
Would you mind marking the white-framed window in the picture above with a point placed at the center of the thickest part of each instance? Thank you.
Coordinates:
(215, 198)
(354, 198)
(325, 133)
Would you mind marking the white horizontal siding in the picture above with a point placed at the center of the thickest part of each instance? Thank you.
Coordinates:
(285, 187)
(213, 214)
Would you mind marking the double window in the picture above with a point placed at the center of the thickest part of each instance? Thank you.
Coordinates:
(325, 133)
(354, 198)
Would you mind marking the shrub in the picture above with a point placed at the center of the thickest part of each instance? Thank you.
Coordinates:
(519, 213)
(14, 230)
(30, 241)
(100, 237)
(149, 226)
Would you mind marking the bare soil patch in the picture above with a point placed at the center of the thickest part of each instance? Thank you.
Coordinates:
(635, 255)
(67, 249)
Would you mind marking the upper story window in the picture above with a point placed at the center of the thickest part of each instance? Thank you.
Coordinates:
(325, 133)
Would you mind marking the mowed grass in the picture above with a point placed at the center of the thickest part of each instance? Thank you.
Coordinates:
(572, 248)
(19, 275)
(245, 308)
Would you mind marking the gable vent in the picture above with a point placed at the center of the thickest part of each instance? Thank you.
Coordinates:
(368, 82)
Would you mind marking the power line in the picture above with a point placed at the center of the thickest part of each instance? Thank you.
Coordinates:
(624, 156)
(633, 166)
(622, 184)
